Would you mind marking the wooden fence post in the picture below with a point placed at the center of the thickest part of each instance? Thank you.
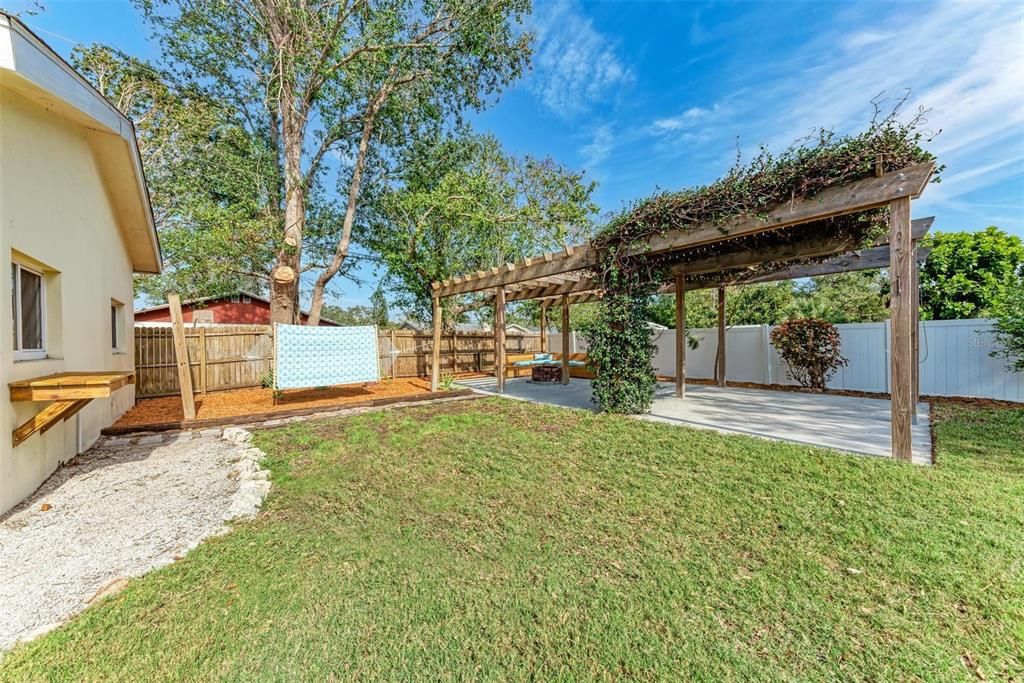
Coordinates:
(202, 361)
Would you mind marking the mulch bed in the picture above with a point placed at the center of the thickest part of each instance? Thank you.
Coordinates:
(224, 406)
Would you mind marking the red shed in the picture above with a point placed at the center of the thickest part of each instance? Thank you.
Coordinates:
(243, 308)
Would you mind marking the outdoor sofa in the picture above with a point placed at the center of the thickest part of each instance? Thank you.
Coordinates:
(521, 363)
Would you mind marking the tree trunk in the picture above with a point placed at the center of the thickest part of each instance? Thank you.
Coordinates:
(284, 287)
(341, 251)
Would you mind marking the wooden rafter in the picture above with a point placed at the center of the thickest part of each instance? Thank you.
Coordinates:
(865, 259)
(813, 248)
(861, 195)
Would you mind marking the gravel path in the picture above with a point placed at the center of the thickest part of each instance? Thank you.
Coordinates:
(117, 512)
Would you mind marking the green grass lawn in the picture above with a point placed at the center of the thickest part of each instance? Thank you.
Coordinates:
(498, 539)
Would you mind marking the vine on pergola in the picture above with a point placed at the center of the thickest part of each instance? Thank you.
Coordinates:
(619, 342)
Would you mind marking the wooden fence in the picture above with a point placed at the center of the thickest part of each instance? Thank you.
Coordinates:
(236, 356)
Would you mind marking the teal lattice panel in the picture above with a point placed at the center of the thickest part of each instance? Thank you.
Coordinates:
(324, 356)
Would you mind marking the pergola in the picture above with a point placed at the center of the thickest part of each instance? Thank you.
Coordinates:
(793, 240)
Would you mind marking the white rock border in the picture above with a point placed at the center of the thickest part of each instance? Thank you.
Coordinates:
(253, 479)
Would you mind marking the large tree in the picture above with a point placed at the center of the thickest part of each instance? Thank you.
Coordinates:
(337, 86)
(1009, 326)
(461, 204)
(968, 273)
(757, 304)
(856, 297)
(209, 178)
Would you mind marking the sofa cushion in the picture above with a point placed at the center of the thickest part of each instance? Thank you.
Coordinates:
(542, 356)
(577, 363)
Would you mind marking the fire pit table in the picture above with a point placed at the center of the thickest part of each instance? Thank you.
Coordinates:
(546, 373)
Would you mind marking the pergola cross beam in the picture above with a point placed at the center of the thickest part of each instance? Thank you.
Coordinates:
(853, 197)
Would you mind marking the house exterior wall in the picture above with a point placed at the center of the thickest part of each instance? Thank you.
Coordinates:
(225, 312)
(56, 215)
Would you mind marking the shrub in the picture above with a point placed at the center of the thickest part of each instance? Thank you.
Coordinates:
(811, 349)
(1010, 327)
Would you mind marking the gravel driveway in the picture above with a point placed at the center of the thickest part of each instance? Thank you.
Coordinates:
(114, 513)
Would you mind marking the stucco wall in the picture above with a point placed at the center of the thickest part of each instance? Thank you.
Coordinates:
(55, 211)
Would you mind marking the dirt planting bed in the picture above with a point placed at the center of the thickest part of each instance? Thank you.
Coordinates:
(259, 401)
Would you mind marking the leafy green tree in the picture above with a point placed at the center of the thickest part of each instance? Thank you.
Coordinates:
(342, 84)
(379, 307)
(1009, 325)
(856, 297)
(757, 304)
(351, 315)
(208, 178)
(968, 273)
(461, 204)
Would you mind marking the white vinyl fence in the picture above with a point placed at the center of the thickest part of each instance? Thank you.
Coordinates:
(954, 359)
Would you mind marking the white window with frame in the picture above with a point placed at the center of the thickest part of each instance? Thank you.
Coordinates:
(28, 299)
(117, 331)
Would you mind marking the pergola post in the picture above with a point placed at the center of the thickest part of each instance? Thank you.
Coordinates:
(720, 369)
(435, 350)
(680, 336)
(499, 338)
(917, 335)
(543, 327)
(901, 277)
(565, 339)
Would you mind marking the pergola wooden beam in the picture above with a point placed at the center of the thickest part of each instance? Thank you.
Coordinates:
(861, 195)
(813, 248)
(865, 259)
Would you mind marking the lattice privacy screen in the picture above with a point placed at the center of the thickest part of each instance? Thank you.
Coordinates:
(324, 356)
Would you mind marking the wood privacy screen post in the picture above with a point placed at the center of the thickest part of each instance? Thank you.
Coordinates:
(188, 405)
(901, 313)
(565, 339)
(499, 338)
(435, 350)
(720, 357)
(680, 337)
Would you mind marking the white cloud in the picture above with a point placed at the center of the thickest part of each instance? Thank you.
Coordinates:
(575, 66)
(684, 120)
(861, 39)
(964, 62)
(600, 146)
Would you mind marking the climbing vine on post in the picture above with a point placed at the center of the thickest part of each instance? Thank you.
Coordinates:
(620, 346)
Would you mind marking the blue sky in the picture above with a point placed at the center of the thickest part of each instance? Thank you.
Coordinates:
(646, 95)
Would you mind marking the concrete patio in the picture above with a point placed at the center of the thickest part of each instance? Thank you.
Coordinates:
(846, 423)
